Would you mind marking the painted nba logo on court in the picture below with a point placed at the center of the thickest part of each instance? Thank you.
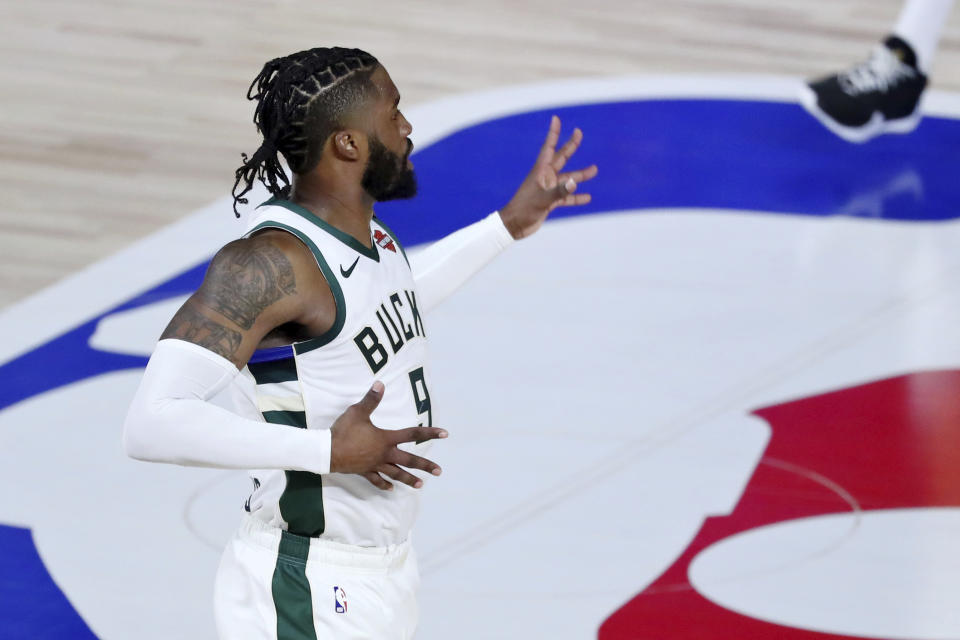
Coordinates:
(339, 600)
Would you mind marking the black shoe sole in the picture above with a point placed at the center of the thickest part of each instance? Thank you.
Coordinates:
(877, 125)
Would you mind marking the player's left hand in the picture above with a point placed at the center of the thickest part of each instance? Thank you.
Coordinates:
(545, 187)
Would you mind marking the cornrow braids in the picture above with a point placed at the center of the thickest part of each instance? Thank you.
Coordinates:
(301, 99)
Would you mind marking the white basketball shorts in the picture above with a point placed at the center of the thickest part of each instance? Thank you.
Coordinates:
(273, 585)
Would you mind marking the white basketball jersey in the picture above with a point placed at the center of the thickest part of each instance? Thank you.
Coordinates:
(378, 335)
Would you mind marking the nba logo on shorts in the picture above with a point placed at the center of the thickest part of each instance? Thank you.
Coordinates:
(339, 600)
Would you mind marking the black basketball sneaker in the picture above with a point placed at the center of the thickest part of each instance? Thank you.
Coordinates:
(881, 95)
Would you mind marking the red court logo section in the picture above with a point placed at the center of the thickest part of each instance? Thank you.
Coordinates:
(889, 444)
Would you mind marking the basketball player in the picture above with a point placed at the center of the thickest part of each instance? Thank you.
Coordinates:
(882, 95)
(303, 355)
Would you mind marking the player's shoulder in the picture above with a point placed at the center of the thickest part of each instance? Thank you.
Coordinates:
(268, 256)
(272, 245)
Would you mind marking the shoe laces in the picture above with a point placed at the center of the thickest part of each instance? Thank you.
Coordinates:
(880, 72)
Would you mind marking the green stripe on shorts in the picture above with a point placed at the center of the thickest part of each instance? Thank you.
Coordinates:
(291, 590)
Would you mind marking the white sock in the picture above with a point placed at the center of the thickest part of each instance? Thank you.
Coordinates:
(920, 24)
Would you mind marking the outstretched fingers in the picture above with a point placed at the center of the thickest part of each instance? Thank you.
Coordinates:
(578, 176)
(567, 184)
(567, 150)
(418, 434)
(412, 461)
(371, 399)
(377, 480)
(575, 199)
(400, 475)
(550, 144)
(393, 469)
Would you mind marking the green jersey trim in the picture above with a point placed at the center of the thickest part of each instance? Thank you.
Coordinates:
(290, 418)
(301, 503)
(291, 589)
(347, 239)
(334, 331)
(274, 371)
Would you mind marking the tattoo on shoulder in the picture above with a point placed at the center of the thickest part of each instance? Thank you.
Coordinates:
(194, 327)
(247, 280)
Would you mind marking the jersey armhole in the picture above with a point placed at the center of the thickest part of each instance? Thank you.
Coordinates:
(341, 304)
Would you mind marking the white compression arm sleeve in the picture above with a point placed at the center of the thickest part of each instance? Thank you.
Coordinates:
(171, 420)
(444, 266)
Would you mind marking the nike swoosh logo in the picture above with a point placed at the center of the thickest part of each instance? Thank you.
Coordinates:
(346, 272)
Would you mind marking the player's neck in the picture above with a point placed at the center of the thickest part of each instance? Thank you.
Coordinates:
(342, 203)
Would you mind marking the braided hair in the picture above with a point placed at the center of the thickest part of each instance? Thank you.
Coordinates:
(301, 100)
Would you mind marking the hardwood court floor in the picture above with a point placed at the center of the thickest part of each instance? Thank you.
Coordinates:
(120, 117)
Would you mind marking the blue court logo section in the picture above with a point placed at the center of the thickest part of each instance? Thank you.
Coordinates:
(718, 154)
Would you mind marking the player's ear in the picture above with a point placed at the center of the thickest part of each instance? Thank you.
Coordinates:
(348, 144)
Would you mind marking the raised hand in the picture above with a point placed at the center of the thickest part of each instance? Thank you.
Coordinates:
(545, 187)
(359, 447)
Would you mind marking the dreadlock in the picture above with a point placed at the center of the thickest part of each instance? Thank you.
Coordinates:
(301, 99)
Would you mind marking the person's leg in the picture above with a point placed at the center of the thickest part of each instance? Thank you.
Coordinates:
(882, 95)
(243, 603)
(920, 25)
(356, 591)
(408, 581)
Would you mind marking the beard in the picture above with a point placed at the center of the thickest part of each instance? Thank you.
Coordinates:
(386, 176)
